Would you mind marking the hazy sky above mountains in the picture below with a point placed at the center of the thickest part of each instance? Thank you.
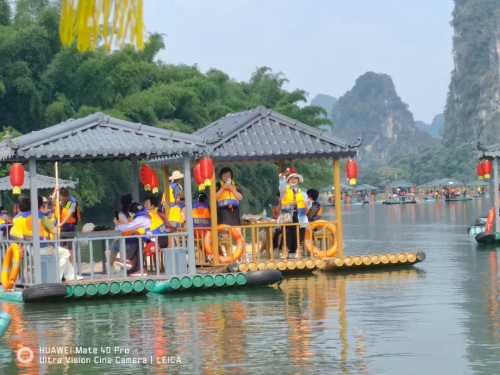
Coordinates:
(321, 46)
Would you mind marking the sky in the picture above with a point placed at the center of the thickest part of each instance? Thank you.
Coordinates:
(321, 46)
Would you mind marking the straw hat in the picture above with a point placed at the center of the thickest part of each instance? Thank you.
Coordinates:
(176, 175)
(295, 174)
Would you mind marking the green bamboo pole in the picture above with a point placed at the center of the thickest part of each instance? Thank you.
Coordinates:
(90, 290)
(208, 281)
(102, 289)
(172, 284)
(230, 279)
(197, 281)
(186, 283)
(125, 287)
(78, 291)
(241, 279)
(160, 287)
(137, 286)
(69, 291)
(219, 280)
(149, 285)
(114, 287)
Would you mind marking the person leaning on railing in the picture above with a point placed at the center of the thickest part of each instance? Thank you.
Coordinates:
(68, 210)
(46, 229)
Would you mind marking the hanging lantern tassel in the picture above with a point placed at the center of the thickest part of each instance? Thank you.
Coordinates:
(16, 177)
(487, 168)
(351, 171)
(116, 22)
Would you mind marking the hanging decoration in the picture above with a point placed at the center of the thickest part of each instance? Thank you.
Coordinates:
(480, 170)
(154, 182)
(16, 177)
(206, 168)
(197, 175)
(487, 168)
(115, 22)
(351, 171)
(146, 175)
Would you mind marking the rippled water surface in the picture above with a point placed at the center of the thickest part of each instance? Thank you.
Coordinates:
(439, 317)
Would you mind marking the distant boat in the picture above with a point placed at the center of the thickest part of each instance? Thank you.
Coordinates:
(430, 200)
(459, 199)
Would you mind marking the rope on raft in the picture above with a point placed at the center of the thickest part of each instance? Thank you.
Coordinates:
(81, 19)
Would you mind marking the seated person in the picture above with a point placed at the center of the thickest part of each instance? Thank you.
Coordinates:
(314, 213)
(46, 230)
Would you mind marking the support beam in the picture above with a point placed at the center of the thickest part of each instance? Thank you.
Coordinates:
(135, 178)
(495, 194)
(213, 214)
(338, 206)
(34, 214)
(166, 190)
(282, 165)
(189, 214)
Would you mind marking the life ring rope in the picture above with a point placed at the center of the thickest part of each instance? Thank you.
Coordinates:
(235, 233)
(12, 262)
(308, 243)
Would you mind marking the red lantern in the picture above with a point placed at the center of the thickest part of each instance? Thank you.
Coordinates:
(146, 174)
(16, 176)
(487, 168)
(206, 168)
(351, 171)
(154, 182)
(480, 170)
(197, 175)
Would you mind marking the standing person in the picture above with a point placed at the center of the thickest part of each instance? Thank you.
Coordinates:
(228, 196)
(176, 205)
(124, 217)
(293, 202)
(46, 231)
(69, 213)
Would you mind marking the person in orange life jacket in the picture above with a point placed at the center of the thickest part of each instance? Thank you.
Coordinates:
(314, 213)
(69, 212)
(293, 201)
(124, 216)
(46, 229)
(228, 197)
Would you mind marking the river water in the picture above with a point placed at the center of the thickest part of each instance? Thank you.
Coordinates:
(439, 317)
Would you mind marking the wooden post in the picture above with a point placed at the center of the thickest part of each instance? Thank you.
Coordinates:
(213, 214)
(166, 190)
(282, 165)
(495, 192)
(338, 206)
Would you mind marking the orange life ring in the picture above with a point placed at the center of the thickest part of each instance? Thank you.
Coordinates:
(309, 244)
(240, 244)
(489, 222)
(13, 254)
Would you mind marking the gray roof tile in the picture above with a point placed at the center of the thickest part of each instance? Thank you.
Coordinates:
(261, 134)
(43, 182)
(100, 136)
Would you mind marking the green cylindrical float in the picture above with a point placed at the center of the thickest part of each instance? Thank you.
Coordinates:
(5, 321)
(78, 291)
(241, 279)
(114, 287)
(208, 281)
(219, 280)
(69, 291)
(149, 284)
(197, 281)
(186, 282)
(160, 287)
(230, 279)
(172, 284)
(125, 287)
(102, 289)
(90, 290)
(12, 296)
(137, 286)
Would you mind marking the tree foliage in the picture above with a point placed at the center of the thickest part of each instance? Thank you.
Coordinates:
(43, 83)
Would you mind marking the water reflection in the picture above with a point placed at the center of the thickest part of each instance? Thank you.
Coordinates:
(439, 317)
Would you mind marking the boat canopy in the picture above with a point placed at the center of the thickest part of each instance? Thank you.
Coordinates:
(42, 182)
(400, 184)
(366, 187)
(478, 183)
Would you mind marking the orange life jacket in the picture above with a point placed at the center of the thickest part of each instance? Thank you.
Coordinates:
(227, 198)
(201, 215)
